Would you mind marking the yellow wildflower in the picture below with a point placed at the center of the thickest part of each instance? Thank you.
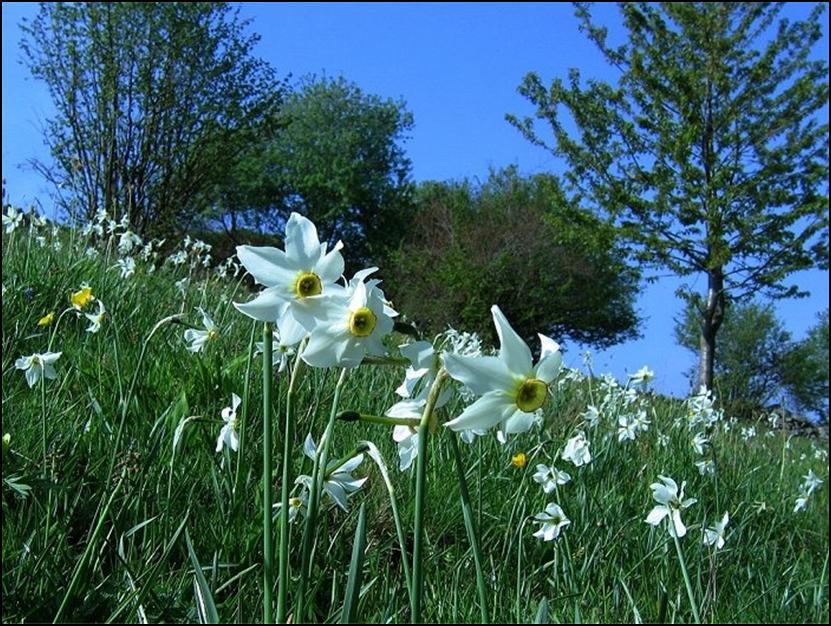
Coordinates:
(81, 298)
(519, 460)
(47, 319)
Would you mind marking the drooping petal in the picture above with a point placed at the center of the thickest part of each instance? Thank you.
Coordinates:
(481, 374)
(269, 305)
(513, 351)
(489, 410)
(419, 353)
(309, 448)
(337, 493)
(680, 529)
(519, 422)
(656, 515)
(406, 408)
(269, 266)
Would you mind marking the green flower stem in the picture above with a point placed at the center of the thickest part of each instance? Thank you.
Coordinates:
(47, 475)
(384, 360)
(288, 435)
(246, 396)
(384, 420)
(268, 552)
(686, 578)
(312, 507)
(467, 511)
(421, 479)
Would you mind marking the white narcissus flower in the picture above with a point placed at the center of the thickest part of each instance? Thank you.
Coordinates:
(663, 440)
(297, 280)
(198, 338)
(553, 519)
(670, 504)
(283, 343)
(510, 387)
(715, 535)
(642, 376)
(591, 415)
(37, 365)
(812, 481)
(128, 241)
(338, 482)
(706, 468)
(628, 429)
(297, 506)
(577, 450)
(228, 434)
(127, 266)
(96, 319)
(550, 477)
(12, 218)
(698, 442)
(407, 439)
(350, 327)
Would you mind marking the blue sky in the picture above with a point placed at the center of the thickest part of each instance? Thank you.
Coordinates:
(457, 66)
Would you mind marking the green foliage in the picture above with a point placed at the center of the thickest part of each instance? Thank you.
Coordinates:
(758, 363)
(516, 242)
(339, 161)
(155, 102)
(708, 150)
(606, 567)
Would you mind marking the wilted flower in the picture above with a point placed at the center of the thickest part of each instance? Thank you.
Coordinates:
(670, 504)
(198, 338)
(715, 535)
(37, 365)
(338, 482)
(550, 477)
(228, 434)
(577, 450)
(552, 519)
(512, 389)
(96, 319)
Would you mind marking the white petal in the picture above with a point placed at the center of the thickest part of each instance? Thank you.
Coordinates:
(330, 266)
(547, 346)
(656, 515)
(235, 402)
(680, 529)
(420, 354)
(548, 367)
(32, 375)
(489, 410)
(50, 357)
(513, 351)
(269, 266)
(406, 408)
(268, 306)
(337, 493)
(481, 374)
(302, 243)
(309, 447)
(519, 422)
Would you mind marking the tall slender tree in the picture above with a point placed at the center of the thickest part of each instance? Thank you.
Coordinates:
(708, 151)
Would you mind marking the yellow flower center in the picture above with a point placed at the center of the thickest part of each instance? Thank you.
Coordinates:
(531, 395)
(79, 299)
(307, 284)
(213, 334)
(295, 503)
(362, 322)
(46, 319)
(519, 460)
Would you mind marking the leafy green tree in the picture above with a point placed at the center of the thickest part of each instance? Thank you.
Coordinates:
(154, 102)
(339, 161)
(758, 362)
(550, 266)
(707, 152)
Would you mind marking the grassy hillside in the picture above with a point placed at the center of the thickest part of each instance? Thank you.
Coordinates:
(106, 425)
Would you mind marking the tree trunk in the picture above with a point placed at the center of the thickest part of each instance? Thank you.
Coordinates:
(713, 317)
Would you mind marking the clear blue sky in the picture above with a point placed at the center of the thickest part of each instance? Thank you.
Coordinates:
(457, 66)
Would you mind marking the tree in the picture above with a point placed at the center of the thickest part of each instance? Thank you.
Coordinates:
(759, 363)
(155, 101)
(339, 161)
(707, 152)
(550, 266)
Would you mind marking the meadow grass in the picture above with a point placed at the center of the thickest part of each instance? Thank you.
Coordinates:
(129, 516)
